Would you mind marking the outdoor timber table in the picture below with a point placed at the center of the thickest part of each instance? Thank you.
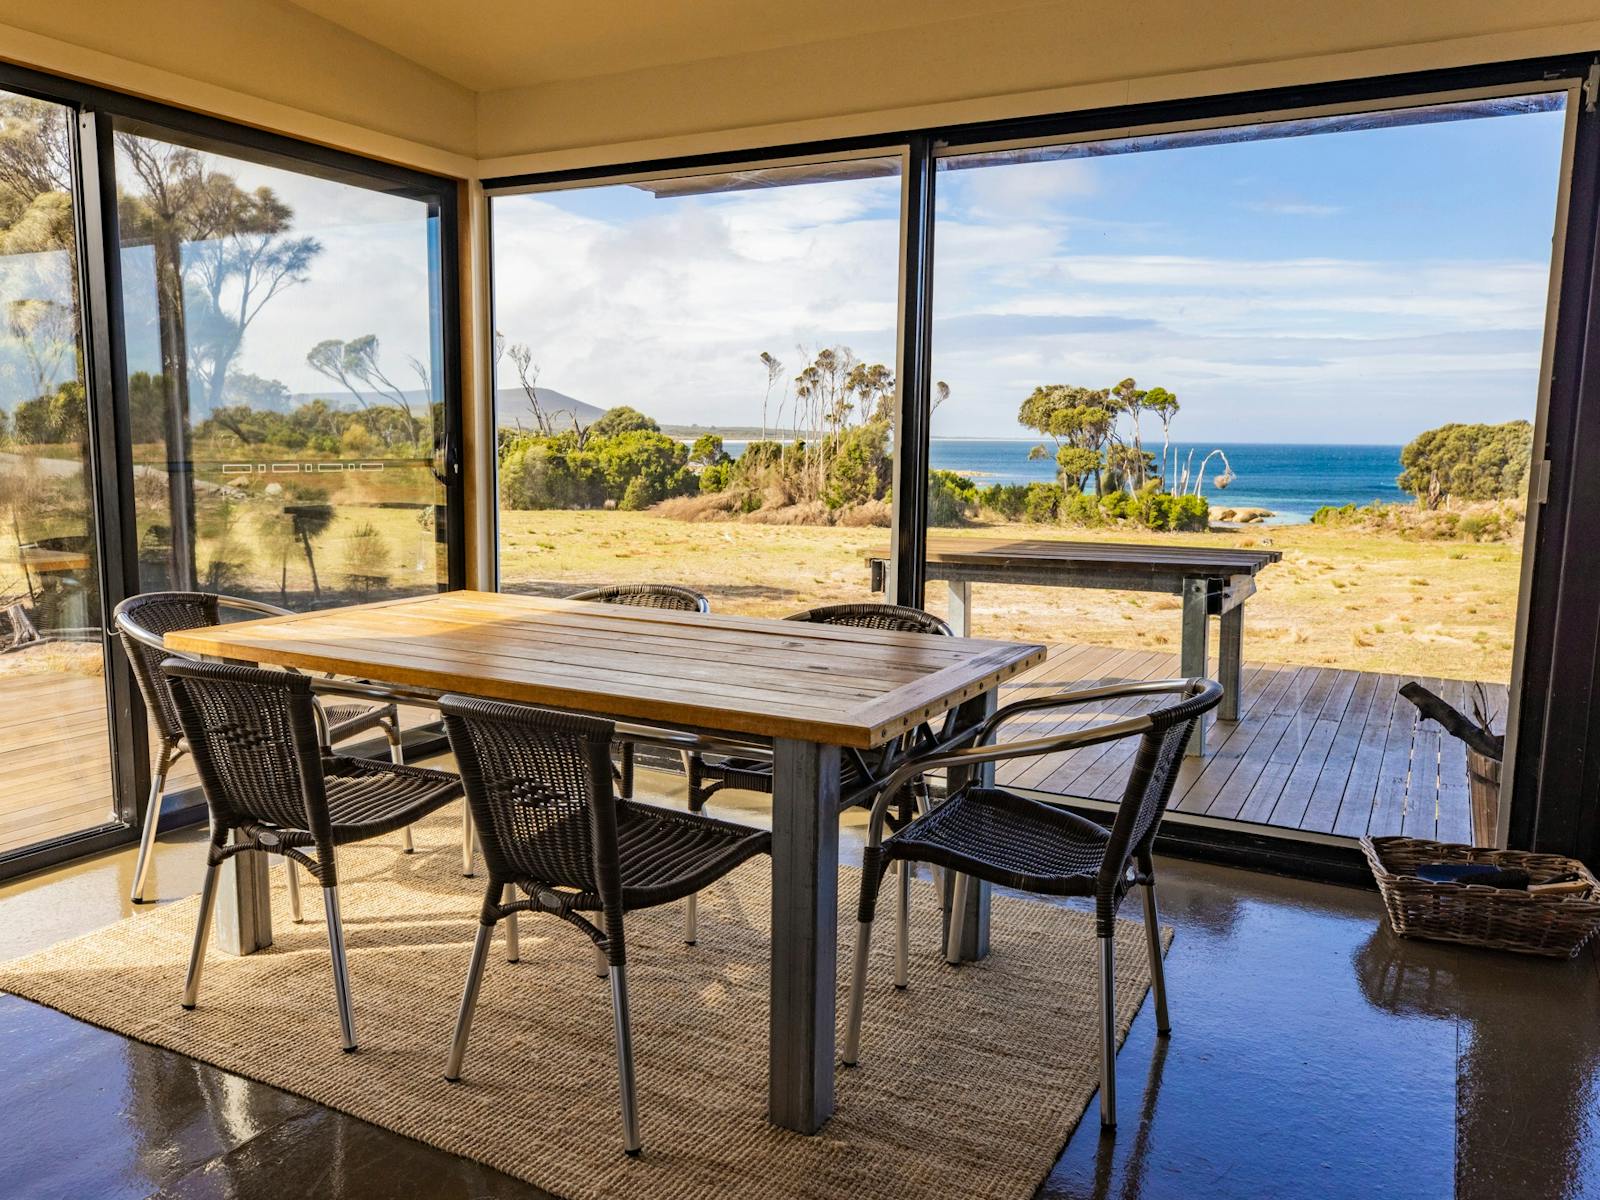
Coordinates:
(808, 690)
(1212, 581)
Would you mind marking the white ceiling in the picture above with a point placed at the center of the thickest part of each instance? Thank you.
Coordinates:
(487, 45)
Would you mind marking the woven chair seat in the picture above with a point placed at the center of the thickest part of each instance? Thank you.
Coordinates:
(345, 719)
(667, 855)
(1007, 840)
(367, 798)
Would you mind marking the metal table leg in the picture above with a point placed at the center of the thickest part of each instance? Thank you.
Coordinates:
(976, 894)
(1230, 660)
(960, 607)
(1192, 658)
(243, 922)
(805, 905)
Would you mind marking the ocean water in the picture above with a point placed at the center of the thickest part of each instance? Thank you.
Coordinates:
(1292, 481)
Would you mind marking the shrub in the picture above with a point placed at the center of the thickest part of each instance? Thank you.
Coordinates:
(951, 498)
(538, 473)
(716, 478)
(643, 467)
(622, 419)
(1190, 514)
(366, 559)
(1467, 462)
(1006, 500)
(1042, 503)
(858, 465)
(1080, 508)
(1117, 505)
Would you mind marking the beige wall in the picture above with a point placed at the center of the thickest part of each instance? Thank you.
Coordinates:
(260, 62)
(1084, 54)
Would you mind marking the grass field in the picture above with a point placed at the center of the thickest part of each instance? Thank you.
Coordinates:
(1340, 597)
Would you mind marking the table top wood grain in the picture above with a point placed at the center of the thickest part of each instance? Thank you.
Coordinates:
(1053, 553)
(729, 674)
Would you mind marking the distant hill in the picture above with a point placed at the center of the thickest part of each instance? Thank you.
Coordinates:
(513, 408)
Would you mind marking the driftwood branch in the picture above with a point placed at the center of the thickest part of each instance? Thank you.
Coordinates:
(1455, 722)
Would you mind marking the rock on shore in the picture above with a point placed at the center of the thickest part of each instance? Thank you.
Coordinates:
(1242, 516)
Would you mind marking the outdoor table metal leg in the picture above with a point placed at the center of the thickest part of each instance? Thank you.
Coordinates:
(1192, 657)
(975, 913)
(805, 907)
(960, 607)
(1230, 660)
(243, 922)
(244, 905)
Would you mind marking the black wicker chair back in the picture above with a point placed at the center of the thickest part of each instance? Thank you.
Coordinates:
(648, 595)
(161, 613)
(253, 735)
(1145, 796)
(1154, 773)
(539, 783)
(890, 617)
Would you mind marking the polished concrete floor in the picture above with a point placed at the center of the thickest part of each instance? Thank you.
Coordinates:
(1313, 1055)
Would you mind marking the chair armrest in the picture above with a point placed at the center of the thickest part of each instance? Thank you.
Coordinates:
(1199, 695)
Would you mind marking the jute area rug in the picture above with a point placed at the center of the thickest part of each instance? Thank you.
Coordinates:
(970, 1080)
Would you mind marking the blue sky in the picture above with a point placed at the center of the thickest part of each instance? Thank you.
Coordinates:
(1341, 287)
(1355, 286)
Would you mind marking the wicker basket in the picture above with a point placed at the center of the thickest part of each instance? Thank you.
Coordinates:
(1474, 915)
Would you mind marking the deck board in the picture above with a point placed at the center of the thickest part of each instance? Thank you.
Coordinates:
(1321, 749)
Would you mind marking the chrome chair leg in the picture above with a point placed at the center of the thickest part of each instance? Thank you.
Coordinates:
(958, 915)
(1158, 972)
(1108, 1033)
(468, 843)
(397, 755)
(858, 994)
(341, 968)
(691, 920)
(619, 1010)
(152, 818)
(295, 914)
(902, 931)
(202, 934)
(513, 934)
(469, 1001)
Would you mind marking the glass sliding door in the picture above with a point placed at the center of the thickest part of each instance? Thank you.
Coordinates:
(1323, 338)
(55, 777)
(696, 382)
(285, 378)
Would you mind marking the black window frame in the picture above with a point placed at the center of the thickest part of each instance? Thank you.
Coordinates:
(97, 110)
(1556, 775)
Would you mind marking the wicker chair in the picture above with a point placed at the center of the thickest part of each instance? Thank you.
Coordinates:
(540, 786)
(271, 786)
(669, 596)
(1008, 840)
(859, 771)
(141, 621)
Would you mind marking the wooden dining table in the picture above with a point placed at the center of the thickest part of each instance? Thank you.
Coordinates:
(808, 691)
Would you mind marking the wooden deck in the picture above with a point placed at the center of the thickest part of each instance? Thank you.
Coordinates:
(55, 760)
(55, 757)
(1315, 748)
